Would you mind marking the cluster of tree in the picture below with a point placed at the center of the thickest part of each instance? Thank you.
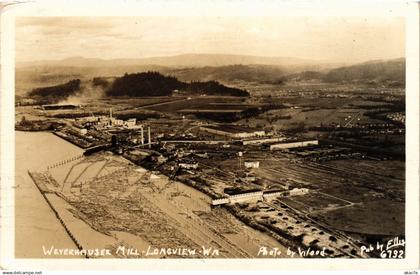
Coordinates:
(214, 88)
(101, 82)
(37, 125)
(56, 93)
(144, 84)
(78, 115)
(156, 84)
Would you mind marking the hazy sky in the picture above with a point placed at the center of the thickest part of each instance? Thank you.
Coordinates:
(321, 38)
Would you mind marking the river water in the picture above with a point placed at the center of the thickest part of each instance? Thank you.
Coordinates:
(35, 223)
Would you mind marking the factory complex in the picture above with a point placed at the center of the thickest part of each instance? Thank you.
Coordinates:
(181, 172)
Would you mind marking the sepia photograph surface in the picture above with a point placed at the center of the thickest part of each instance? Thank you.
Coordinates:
(210, 137)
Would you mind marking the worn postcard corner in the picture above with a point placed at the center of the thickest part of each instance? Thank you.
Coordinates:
(153, 134)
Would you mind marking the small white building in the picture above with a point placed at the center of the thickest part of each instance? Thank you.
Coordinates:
(202, 155)
(263, 141)
(249, 179)
(252, 164)
(232, 131)
(188, 165)
(83, 131)
(130, 123)
(299, 191)
(288, 145)
(246, 196)
(117, 122)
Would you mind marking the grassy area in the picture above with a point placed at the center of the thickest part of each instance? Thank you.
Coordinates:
(381, 217)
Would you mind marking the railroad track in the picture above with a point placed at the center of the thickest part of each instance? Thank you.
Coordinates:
(352, 172)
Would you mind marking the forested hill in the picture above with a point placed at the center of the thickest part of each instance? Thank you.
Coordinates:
(144, 84)
(134, 85)
(156, 84)
(373, 71)
(58, 92)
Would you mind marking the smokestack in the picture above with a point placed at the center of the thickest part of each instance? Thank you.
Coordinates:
(142, 135)
(148, 135)
(110, 113)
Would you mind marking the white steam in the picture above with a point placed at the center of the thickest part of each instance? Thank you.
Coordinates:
(87, 92)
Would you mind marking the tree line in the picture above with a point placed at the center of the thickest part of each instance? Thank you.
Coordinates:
(136, 85)
(156, 84)
(54, 94)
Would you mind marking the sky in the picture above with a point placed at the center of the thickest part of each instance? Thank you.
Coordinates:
(334, 39)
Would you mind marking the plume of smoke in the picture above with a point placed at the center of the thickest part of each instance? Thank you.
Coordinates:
(87, 93)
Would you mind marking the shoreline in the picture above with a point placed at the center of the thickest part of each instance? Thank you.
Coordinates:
(33, 215)
(164, 177)
(79, 247)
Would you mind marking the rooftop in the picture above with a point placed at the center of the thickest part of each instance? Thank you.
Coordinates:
(231, 128)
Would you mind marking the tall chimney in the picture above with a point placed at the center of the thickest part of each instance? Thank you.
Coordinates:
(110, 113)
(142, 135)
(148, 135)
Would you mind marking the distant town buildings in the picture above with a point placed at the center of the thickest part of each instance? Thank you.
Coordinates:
(398, 117)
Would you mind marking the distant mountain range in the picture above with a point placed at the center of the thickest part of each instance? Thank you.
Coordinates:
(227, 69)
(389, 72)
(184, 60)
(372, 71)
(232, 73)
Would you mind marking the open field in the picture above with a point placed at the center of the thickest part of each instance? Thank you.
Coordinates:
(194, 103)
(358, 219)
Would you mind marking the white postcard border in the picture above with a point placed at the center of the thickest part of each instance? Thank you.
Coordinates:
(209, 8)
